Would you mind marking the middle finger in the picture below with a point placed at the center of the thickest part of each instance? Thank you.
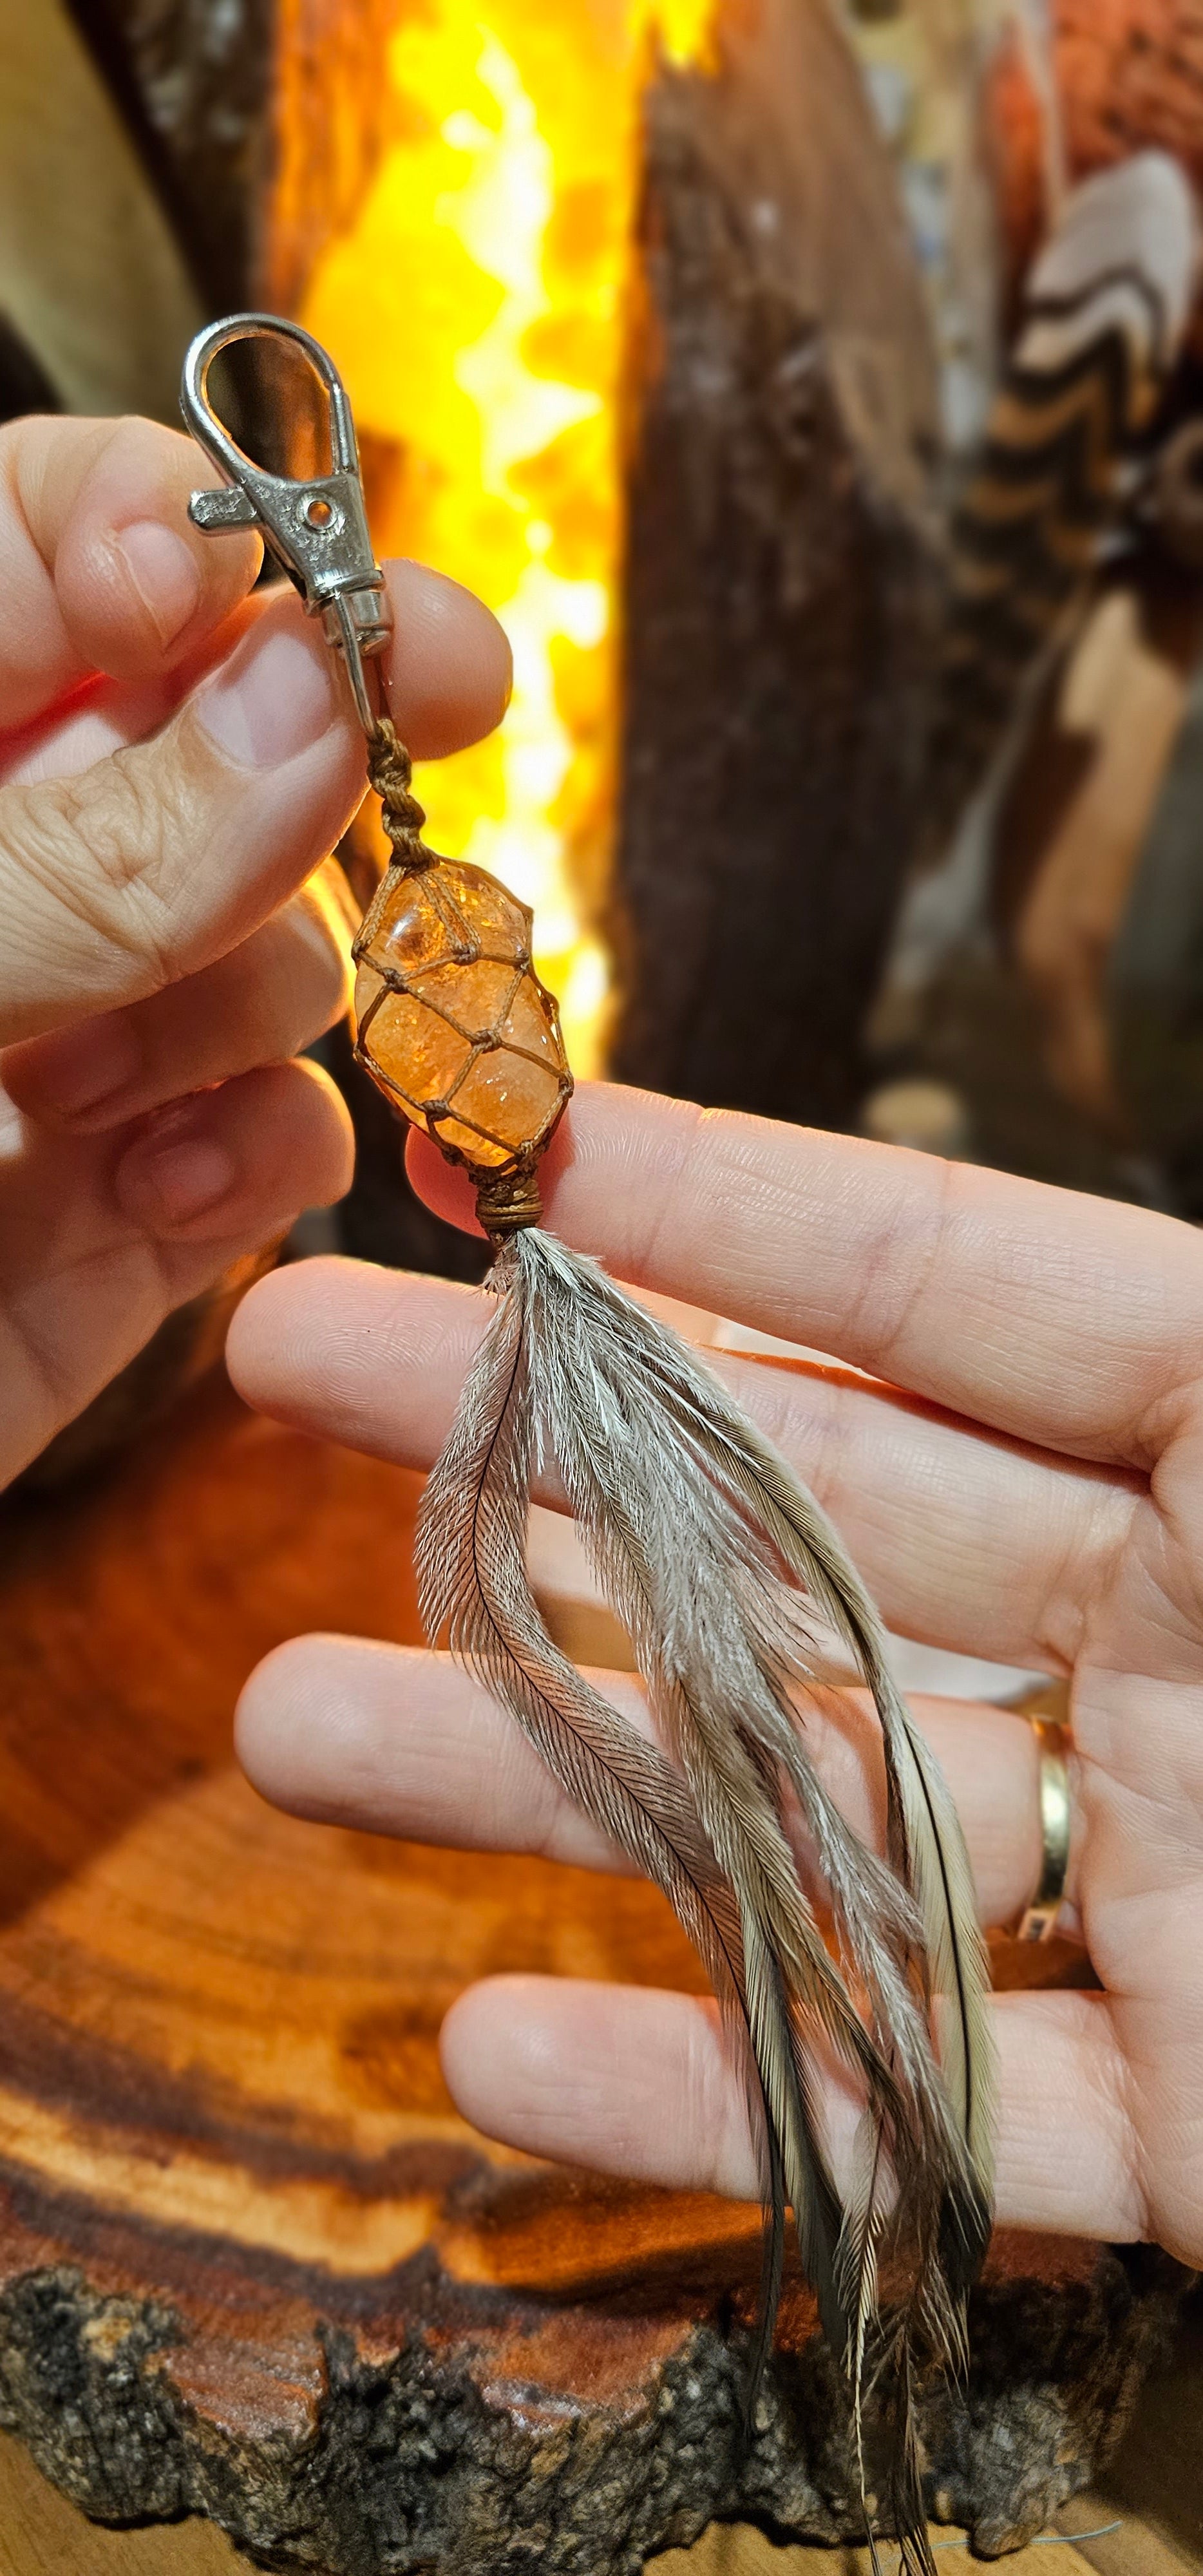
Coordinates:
(1052, 1316)
(966, 1539)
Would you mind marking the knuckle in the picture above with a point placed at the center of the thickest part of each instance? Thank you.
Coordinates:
(109, 847)
(905, 1254)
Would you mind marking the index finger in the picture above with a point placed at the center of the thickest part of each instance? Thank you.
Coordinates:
(159, 859)
(100, 566)
(1070, 1321)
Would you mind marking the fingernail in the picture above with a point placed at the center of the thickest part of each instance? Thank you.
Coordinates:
(164, 572)
(272, 700)
(79, 1068)
(178, 1176)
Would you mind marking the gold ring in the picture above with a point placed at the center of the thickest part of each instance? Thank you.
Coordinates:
(1039, 1919)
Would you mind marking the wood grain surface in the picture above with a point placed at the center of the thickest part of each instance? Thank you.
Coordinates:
(252, 2263)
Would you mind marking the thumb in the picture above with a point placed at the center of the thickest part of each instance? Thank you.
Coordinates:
(165, 855)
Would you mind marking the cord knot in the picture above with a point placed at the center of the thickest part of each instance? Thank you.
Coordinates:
(506, 1201)
(390, 770)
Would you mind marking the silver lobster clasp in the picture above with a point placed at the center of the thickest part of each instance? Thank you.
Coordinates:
(318, 531)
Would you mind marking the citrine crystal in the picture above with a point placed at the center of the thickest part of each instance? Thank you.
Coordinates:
(454, 1024)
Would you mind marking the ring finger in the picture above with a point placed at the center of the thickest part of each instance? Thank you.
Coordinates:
(638, 2082)
(263, 1002)
(394, 1740)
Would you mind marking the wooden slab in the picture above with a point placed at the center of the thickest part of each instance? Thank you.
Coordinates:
(252, 2264)
(1145, 2520)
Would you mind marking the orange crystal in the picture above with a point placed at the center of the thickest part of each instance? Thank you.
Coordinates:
(454, 1024)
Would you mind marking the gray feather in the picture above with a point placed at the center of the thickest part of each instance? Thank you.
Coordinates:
(473, 1583)
(721, 1567)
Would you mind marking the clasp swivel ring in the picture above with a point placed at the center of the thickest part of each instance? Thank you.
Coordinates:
(318, 530)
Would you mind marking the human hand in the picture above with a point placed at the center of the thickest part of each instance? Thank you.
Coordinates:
(1019, 1476)
(176, 760)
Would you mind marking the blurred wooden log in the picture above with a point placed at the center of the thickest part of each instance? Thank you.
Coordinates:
(259, 124)
(781, 588)
(252, 2264)
(193, 86)
(258, 127)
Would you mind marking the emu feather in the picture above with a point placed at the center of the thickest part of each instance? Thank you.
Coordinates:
(723, 1569)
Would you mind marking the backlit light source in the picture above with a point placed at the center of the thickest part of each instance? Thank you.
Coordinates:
(475, 310)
